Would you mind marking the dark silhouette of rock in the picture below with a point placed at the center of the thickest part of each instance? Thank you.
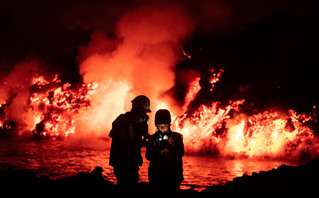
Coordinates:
(285, 181)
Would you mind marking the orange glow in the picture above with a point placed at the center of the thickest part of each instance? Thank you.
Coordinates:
(191, 94)
(269, 134)
(54, 108)
(216, 75)
(141, 59)
(200, 129)
(186, 55)
(66, 110)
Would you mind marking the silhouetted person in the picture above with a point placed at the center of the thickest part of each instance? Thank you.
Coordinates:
(129, 132)
(165, 151)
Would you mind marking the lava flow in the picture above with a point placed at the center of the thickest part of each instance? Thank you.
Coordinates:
(225, 131)
(50, 108)
(58, 110)
(141, 56)
(54, 109)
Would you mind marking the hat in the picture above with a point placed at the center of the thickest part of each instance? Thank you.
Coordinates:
(163, 116)
(143, 102)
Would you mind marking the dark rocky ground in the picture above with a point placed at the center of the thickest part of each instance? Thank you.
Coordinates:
(285, 181)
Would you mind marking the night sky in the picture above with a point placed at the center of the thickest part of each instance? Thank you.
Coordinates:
(268, 49)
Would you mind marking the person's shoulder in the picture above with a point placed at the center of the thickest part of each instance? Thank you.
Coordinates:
(154, 135)
(152, 138)
(121, 118)
(177, 134)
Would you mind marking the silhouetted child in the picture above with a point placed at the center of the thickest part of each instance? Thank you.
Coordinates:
(165, 152)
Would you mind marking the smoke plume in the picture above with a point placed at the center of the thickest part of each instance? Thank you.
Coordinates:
(140, 60)
(15, 92)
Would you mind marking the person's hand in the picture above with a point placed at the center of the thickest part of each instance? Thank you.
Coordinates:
(163, 144)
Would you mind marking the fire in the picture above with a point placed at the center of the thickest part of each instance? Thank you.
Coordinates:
(52, 106)
(269, 134)
(264, 135)
(194, 87)
(225, 131)
(140, 57)
(61, 109)
(191, 94)
(201, 129)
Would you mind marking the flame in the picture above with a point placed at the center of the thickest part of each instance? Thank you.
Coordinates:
(272, 134)
(195, 87)
(141, 59)
(269, 134)
(192, 92)
(60, 109)
(263, 135)
(54, 107)
(200, 129)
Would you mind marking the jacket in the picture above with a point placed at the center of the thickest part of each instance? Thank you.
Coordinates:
(127, 141)
(165, 157)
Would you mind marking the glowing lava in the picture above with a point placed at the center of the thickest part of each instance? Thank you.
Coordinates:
(269, 134)
(54, 105)
(225, 131)
(61, 110)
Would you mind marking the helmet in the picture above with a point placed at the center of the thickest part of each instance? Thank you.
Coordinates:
(142, 102)
(163, 116)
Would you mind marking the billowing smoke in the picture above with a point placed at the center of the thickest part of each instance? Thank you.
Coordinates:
(139, 57)
(140, 60)
(229, 84)
(15, 93)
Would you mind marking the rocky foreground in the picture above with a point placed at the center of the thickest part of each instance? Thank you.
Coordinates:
(285, 181)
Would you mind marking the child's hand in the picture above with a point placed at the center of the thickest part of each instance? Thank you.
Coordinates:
(163, 145)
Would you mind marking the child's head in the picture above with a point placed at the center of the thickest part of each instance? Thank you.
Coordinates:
(163, 127)
(163, 120)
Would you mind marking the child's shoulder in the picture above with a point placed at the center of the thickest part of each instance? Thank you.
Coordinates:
(177, 134)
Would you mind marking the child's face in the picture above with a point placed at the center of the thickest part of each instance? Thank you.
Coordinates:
(163, 127)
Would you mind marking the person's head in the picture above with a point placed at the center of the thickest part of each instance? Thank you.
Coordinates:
(163, 120)
(141, 104)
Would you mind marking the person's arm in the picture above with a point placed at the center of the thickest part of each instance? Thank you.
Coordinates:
(119, 131)
(177, 148)
(150, 150)
(145, 135)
